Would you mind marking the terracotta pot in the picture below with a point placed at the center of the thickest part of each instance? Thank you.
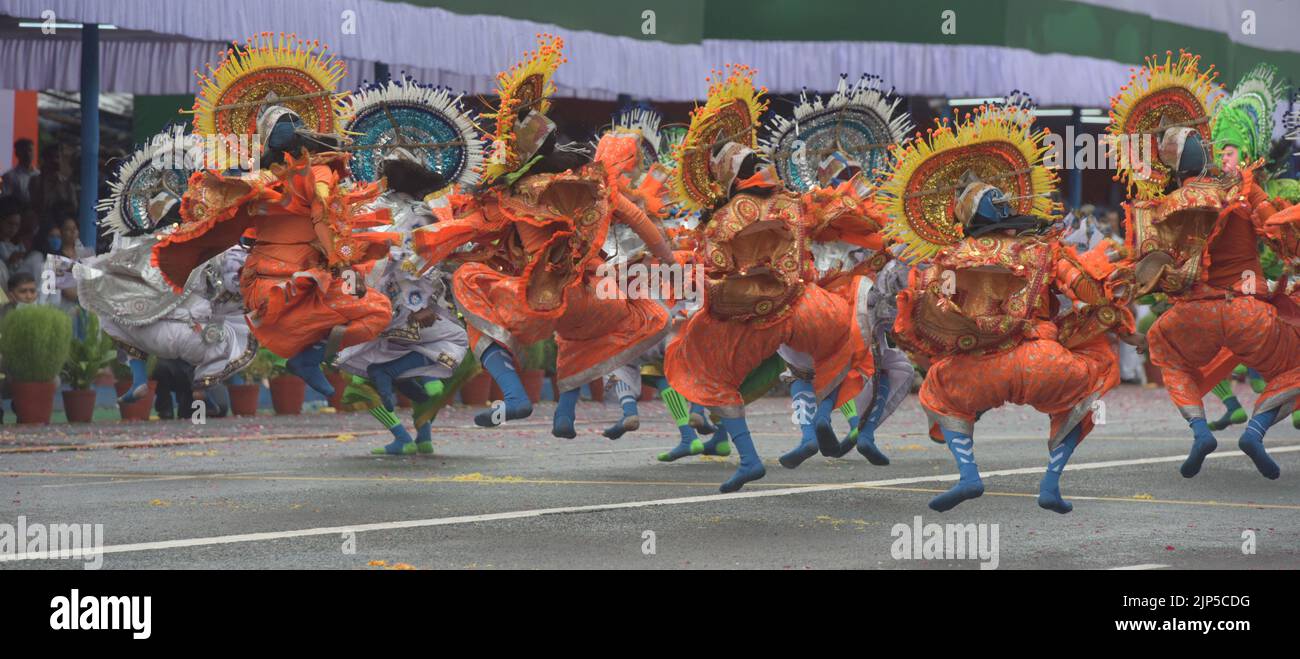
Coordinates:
(79, 405)
(494, 391)
(402, 401)
(597, 388)
(648, 393)
(33, 401)
(475, 391)
(287, 394)
(339, 381)
(139, 410)
(243, 399)
(532, 380)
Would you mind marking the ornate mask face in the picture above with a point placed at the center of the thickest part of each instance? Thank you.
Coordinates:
(531, 132)
(724, 166)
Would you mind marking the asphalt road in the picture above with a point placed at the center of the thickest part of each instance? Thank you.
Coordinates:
(302, 492)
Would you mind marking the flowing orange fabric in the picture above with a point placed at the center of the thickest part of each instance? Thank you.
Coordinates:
(305, 233)
(1191, 334)
(1039, 372)
(710, 357)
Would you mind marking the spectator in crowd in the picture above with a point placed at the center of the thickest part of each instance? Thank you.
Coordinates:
(56, 186)
(17, 181)
(11, 222)
(1091, 230)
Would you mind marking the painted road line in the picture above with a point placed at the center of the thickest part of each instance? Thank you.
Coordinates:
(1144, 566)
(566, 510)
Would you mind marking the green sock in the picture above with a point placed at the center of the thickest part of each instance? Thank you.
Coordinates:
(677, 406)
(849, 409)
(1223, 390)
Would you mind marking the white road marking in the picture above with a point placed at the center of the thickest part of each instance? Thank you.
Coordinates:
(541, 512)
(1144, 566)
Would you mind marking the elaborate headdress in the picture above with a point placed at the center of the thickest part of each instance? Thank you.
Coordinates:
(526, 87)
(731, 114)
(643, 122)
(270, 71)
(1291, 120)
(1245, 119)
(150, 182)
(939, 180)
(859, 122)
(429, 123)
(1164, 108)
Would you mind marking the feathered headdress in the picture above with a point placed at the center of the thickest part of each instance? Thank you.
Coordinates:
(1159, 97)
(429, 122)
(860, 121)
(731, 114)
(1245, 119)
(526, 86)
(270, 70)
(150, 182)
(993, 147)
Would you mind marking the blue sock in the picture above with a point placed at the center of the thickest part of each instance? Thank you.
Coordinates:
(565, 411)
(630, 421)
(827, 442)
(969, 486)
(804, 402)
(306, 365)
(401, 438)
(751, 466)
(867, 431)
(498, 362)
(424, 433)
(382, 376)
(1203, 444)
(139, 381)
(1252, 442)
(1049, 489)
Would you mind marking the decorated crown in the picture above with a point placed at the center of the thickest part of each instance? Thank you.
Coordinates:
(1245, 119)
(1160, 96)
(527, 85)
(731, 114)
(270, 70)
(993, 147)
(859, 121)
(150, 182)
(428, 122)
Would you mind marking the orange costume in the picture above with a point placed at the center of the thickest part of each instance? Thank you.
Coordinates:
(537, 242)
(303, 280)
(1197, 243)
(973, 201)
(759, 279)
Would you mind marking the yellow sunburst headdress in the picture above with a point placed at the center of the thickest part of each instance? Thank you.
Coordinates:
(991, 147)
(731, 114)
(527, 85)
(270, 70)
(1160, 96)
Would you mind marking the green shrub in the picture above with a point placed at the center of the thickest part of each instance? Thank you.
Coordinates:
(264, 366)
(539, 356)
(89, 355)
(34, 342)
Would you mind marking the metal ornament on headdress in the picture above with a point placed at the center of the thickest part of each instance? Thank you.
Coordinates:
(1160, 96)
(860, 121)
(429, 123)
(731, 114)
(150, 182)
(267, 71)
(645, 123)
(527, 85)
(991, 148)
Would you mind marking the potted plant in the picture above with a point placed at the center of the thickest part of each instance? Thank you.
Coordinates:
(288, 391)
(87, 357)
(34, 342)
(139, 410)
(244, 396)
